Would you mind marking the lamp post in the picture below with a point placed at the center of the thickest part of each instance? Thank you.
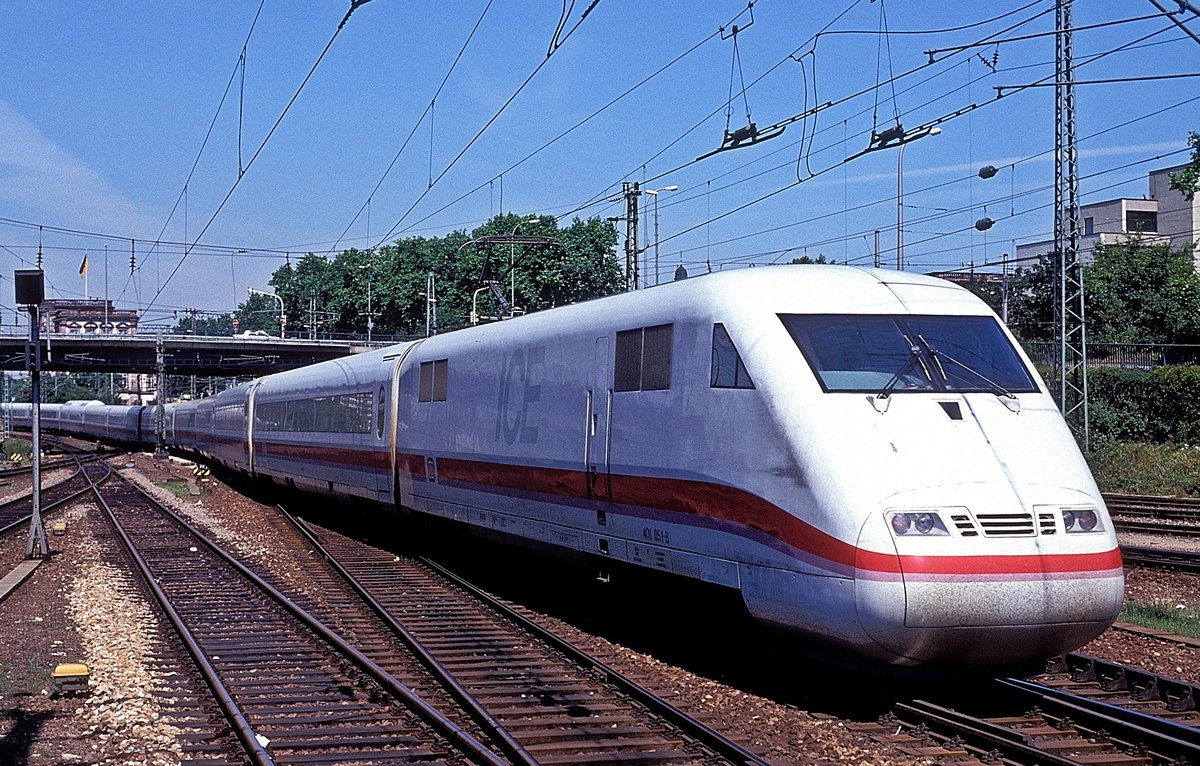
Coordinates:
(905, 140)
(370, 312)
(512, 274)
(282, 317)
(654, 193)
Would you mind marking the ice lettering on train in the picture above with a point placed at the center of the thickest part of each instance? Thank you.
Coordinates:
(520, 386)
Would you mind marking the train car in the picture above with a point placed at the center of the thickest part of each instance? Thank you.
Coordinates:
(323, 427)
(866, 457)
(83, 417)
(20, 415)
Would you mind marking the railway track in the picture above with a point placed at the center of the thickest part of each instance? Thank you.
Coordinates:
(288, 687)
(1183, 561)
(15, 512)
(1155, 515)
(556, 702)
(1082, 710)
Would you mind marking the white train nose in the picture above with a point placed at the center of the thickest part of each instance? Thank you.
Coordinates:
(942, 598)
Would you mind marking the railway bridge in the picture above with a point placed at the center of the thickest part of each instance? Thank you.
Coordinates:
(174, 354)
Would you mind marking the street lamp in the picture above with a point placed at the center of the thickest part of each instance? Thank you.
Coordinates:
(654, 193)
(904, 141)
(512, 274)
(370, 312)
(282, 317)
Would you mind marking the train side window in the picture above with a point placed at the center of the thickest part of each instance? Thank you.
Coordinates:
(643, 359)
(727, 368)
(433, 381)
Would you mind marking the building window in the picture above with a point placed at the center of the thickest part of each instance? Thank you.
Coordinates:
(643, 359)
(727, 368)
(433, 381)
(1141, 220)
(1089, 226)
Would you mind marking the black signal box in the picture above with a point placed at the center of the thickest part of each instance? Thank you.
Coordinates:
(30, 286)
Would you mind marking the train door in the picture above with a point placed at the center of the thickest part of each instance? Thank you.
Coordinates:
(248, 442)
(400, 478)
(597, 429)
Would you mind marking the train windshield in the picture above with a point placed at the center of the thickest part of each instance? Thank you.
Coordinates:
(908, 353)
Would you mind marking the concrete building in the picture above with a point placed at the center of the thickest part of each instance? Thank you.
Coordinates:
(1166, 216)
(87, 317)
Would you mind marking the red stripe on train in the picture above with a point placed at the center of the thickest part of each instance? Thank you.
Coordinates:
(730, 504)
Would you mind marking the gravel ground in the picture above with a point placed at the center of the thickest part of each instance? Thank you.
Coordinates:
(77, 608)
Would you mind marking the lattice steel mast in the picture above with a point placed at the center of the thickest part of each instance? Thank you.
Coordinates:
(1070, 328)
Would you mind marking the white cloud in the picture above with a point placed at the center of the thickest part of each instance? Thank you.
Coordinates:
(39, 176)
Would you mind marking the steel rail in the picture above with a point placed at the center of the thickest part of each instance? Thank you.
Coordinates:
(490, 724)
(702, 733)
(1141, 685)
(1170, 740)
(983, 736)
(54, 504)
(1184, 561)
(447, 728)
(229, 707)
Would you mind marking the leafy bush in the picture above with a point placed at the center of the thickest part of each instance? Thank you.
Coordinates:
(1158, 406)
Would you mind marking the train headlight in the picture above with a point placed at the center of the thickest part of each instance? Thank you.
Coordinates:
(1081, 520)
(917, 524)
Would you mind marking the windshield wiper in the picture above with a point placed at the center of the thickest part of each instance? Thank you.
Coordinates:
(913, 359)
(1008, 397)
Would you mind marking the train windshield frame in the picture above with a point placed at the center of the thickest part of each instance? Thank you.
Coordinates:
(909, 353)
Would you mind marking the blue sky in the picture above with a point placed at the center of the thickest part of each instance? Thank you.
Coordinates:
(103, 113)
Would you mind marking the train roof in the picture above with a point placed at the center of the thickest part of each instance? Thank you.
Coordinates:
(800, 288)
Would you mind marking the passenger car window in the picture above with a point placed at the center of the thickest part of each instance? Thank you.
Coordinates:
(643, 359)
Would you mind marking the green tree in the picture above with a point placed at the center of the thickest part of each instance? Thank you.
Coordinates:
(1031, 301)
(1187, 181)
(1136, 292)
(581, 264)
(258, 312)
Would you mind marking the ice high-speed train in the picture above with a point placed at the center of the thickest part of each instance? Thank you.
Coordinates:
(866, 456)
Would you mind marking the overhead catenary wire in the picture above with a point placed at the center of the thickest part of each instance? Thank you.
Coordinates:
(354, 4)
(928, 124)
(428, 111)
(489, 123)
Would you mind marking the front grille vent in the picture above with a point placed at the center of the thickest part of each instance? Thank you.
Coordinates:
(964, 525)
(1006, 524)
(1046, 523)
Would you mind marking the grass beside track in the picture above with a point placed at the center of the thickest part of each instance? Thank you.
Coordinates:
(1180, 619)
(176, 487)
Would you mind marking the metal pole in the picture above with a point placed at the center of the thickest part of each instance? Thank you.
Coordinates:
(370, 310)
(655, 239)
(900, 208)
(1004, 291)
(37, 530)
(160, 412)
(878, 262)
